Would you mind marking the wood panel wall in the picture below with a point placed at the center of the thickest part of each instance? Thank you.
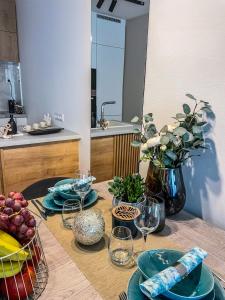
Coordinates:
(113, 156)
(24, 166)
(126, 157)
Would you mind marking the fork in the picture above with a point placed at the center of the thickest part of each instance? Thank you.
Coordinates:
(42, 213)
(123, 296)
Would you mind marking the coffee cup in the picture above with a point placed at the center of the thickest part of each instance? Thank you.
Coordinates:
(35, 126)
(42, 124)
(27, 128)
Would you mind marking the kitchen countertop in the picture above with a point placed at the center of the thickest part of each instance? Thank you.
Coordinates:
(27, 139)
(117, 128)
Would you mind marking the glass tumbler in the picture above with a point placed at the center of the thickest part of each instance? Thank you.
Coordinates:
(71, 208)
(121, 246)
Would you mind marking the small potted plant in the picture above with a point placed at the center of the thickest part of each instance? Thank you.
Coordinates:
(129, 190)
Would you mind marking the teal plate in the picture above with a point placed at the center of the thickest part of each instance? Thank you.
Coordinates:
(59, 200)
(134, 292)
(48, 201)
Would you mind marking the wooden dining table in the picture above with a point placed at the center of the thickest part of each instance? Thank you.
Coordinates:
(86, 272)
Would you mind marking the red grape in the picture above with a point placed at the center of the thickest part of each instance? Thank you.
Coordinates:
(4, 218)
(23, 228)
(2, 197)
(24, 203)
(8, 211)
(12, 228)
(17, 220)
(31, 222)
(11, 194)
(2, 203)
(18, 196)
(25, 213)
(30, 232)
(9, 202)
(17, 206)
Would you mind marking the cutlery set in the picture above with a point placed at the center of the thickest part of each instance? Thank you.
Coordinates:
(44, 213)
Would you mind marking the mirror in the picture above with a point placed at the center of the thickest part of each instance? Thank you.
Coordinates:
(118, 58)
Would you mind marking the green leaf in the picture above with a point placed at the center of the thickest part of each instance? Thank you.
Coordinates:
(136, 130)
(180, 116)
(191, 97)
(206, 109)
(164, 140)
(135, 119)
(196, 129)
(180, 131)
(148, 118)
(136, 144)
(186, 109)
(197, 143)
(205, 102)
(187, 137)
(164, 129)
(156, 162)
(201, 123)
(171, 155)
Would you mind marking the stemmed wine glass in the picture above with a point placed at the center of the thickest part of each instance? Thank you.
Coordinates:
(148, 219)
(82, 184)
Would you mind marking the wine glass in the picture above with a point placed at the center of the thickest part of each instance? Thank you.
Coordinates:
(121, 245)
(71, 208)
(82, 184)
(148, 219)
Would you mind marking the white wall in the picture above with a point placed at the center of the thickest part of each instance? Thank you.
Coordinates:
(54, 45)
(134, 67)
(187, 54)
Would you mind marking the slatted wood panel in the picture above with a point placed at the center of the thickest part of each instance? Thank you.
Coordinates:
(24, 166)
(126, 157)
(102, 158)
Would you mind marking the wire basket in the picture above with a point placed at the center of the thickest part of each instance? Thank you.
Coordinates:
(24, 278)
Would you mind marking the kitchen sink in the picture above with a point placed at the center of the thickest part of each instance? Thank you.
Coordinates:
(116, 124)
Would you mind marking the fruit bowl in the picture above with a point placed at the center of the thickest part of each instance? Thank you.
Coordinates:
(23, 267)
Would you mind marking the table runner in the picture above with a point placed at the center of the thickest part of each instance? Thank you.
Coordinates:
(108, 279)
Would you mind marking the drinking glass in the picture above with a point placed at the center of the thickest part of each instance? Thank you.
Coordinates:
(71, 208)
(121, 245)
(82, 189)
(148, 219)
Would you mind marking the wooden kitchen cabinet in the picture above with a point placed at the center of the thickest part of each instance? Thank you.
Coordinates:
(25, 165)
(113, 156)
(8, 31)
(8, 46)
(8, 15)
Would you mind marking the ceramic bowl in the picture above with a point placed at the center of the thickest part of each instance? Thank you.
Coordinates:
(197, 285)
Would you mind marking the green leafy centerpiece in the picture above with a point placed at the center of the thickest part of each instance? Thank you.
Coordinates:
(129, 189)
(168, 148)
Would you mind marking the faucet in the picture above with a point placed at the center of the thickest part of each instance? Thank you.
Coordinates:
(103, 123)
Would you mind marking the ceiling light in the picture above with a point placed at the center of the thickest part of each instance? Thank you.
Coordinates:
(112, 6)
(138, 2)
(99, 4)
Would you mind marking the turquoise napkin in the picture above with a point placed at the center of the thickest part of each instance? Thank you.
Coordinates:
(167, 278)
(69, 186)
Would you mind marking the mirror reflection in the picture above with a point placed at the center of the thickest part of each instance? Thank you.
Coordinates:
(118, 59)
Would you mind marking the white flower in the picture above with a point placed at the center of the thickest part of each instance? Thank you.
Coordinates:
(163, 148)
(152, 142)
(171, 127)
(144, 147)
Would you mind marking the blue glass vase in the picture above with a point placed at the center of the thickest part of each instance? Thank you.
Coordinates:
(170, 184)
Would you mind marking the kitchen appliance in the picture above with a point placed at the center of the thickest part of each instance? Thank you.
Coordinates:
(93, 99)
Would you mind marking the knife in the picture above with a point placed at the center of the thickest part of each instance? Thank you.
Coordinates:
(42, 213)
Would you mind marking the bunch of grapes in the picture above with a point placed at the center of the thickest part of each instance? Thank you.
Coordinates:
(15, 218)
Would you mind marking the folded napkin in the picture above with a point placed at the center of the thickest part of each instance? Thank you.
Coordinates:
(167, 278)
(69, 186)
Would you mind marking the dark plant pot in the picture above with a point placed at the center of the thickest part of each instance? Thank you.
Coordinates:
(170, 183)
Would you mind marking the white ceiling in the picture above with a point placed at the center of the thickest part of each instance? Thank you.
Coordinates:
(123, 9)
